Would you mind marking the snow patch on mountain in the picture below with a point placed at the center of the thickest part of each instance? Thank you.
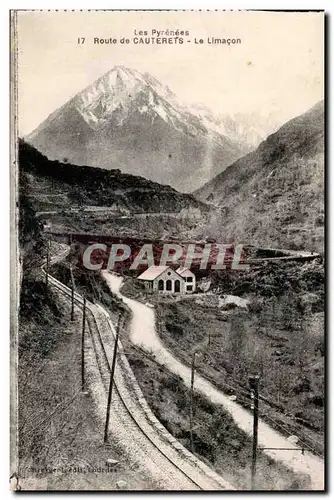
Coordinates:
(131, 120)
(122, 89)
(247, 128)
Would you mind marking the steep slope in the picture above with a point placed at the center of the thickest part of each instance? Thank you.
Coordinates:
(132, 121)
(275, 195)
(246, 129)
(55, 186)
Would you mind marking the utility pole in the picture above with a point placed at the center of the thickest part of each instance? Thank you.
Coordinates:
(83, 345)
(266, 316)
(47, 262)
(274, 310)
(72, 295)
(112, 373)
(254, 386)
(191, 419)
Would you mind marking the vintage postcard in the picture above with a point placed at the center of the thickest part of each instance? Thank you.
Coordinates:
(167, 232)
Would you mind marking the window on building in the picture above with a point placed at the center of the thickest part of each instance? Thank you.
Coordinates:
(177, 286)
(160, 285)
(169, 285)
(190, 279)
(189, 288)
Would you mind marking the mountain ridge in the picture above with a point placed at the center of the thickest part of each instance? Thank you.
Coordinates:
(274, 195)
(84, 185)
(132, 119)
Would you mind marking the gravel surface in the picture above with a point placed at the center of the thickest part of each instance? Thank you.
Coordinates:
(146, 443)
(143, 333)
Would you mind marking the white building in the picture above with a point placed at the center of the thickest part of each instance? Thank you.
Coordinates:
(164, 279)
(189, 279)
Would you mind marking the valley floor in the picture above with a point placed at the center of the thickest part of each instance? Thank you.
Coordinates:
(143, 333)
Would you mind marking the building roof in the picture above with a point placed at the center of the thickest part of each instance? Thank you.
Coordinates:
(184, 272)
(152, 272)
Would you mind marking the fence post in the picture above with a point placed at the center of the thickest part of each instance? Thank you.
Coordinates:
(83, 345)
(112, 373)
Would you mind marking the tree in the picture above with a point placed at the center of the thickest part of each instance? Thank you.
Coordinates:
(237, 340)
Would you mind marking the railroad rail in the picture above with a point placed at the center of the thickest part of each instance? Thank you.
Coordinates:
(181, 468)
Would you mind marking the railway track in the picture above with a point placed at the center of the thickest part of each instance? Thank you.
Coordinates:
(166, 459)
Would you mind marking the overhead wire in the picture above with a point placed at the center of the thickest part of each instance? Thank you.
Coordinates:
(241, 393)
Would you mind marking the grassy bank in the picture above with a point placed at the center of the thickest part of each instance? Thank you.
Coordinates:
(217, 439)
(279, 336)
(234, 344)
(60, 439)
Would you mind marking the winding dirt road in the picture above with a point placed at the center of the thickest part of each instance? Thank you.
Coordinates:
(163, 462)
(143, 333)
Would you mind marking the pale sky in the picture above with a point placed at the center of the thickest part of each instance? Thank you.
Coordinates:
(277, 69)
